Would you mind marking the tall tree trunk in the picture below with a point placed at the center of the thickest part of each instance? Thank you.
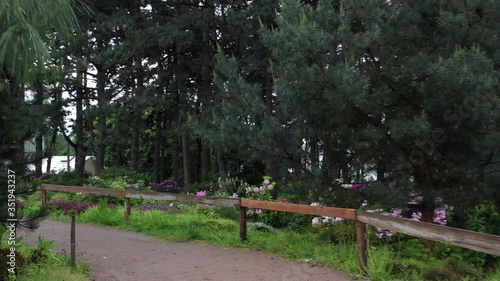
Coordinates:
(205, 160)
(80, 148)
(119, 156)
(134, 149)
(38, 154)
(101, 119)
(50, 150)
(186, 158)
(221, 163)
(157, 151)
(176, 163)
(39, 135)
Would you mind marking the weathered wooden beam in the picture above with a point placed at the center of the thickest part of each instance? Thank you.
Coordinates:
(43, 197)
(73, 240)
(476, 241)
(300, 209)
(127, 209)
(361, 245)
(219, 201)
(243, 224)
(82, 189)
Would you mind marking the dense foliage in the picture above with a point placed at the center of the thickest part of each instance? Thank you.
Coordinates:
(401, 96)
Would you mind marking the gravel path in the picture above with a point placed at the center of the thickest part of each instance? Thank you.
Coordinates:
(114, 254)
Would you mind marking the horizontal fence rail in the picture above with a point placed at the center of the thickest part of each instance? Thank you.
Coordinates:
(83, 189)
(300, 209)
(476, 241)
(219, 201)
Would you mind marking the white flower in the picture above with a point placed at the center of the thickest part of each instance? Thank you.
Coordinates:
(314, 204)
(316, 221)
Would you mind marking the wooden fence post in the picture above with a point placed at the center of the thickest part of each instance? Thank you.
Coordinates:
(44, 197)
(73, 242)
(127, 208)
(243, 224)
(361, 243)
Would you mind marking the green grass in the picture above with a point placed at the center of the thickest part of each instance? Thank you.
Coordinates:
(193, 223)
(48, 272)
(52, 267)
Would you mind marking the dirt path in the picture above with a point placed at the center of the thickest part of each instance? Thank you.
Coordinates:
(127, 256)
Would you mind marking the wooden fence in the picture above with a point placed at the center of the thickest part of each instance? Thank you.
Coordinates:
(476, 241)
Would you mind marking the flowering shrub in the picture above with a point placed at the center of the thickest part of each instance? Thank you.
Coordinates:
(123, 184)
(165, 186)
(67, 207)
(146, 208)
(439, 218)
(262, 192)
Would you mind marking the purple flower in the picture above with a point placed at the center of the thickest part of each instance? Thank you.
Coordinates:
(416, 216)
(396, 213)
(357, 186)
(257, 190)
(202, 193)
(258, 212)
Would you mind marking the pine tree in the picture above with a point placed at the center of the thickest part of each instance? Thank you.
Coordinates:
(410, 88)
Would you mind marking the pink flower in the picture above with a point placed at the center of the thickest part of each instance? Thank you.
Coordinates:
(258, 212)
(270, 187)
(171, 204)
(396, 213)
(256, 190)
(416, 216)
(202, 193)
(266, 182)
(379, 235)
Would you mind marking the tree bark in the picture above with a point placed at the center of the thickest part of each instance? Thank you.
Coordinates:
(187, 159)
(80, 148)
(38, 154)
(221, 164)
(101, 119)
(205, 160)
(157, 149)
(134, 149)
(39, 135)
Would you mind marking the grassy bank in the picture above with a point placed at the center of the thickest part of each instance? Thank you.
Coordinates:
(41, 263)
